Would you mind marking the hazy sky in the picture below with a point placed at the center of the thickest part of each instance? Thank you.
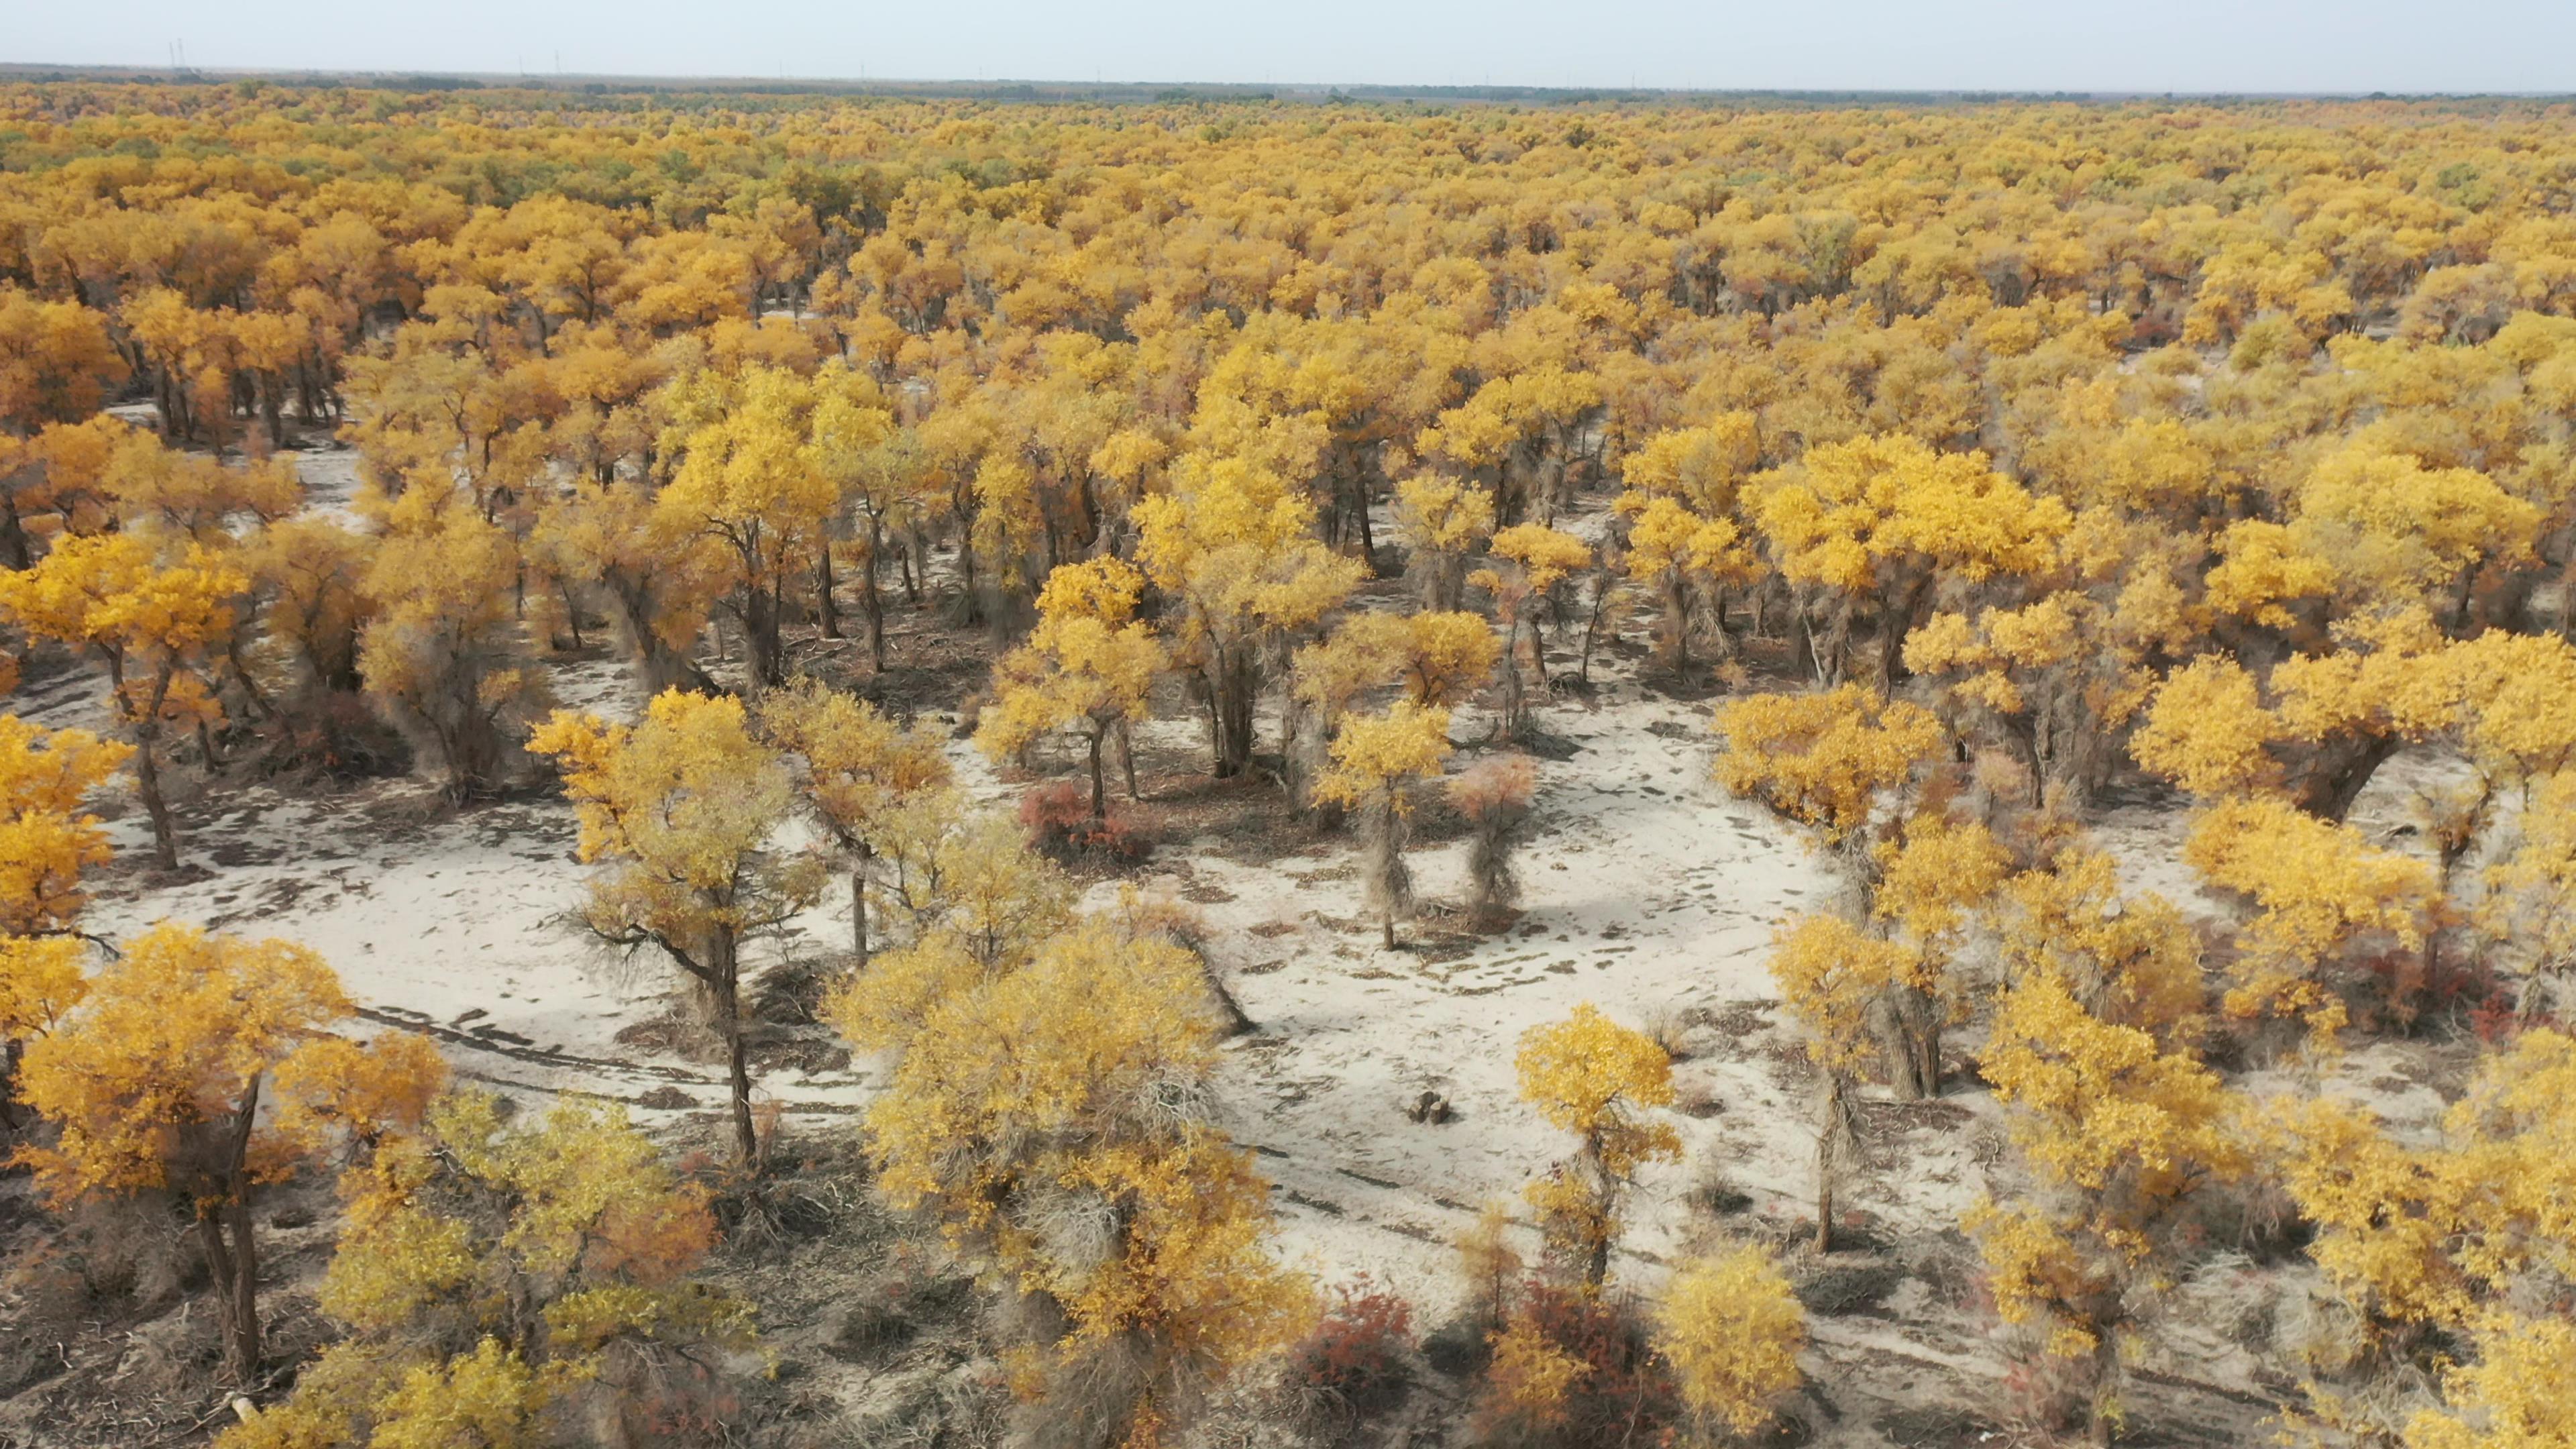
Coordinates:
(2142, 45)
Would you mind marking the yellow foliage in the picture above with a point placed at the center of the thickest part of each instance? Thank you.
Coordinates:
(1590, 1076)
(1830, 972)
(1038, 1096)
(2321, 891)
(1374, 756)
(46, 839)
(1850, 510)
(680, 808)
(2443, 1234)
(167, 1048)
(2514, 1397)
(1731, 1327)
(2207, 730)
(1823, 759)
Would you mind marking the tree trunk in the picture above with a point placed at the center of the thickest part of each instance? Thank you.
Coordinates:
(859, 906)
(147, 782)
(13, 535)
(875, 601)
(1826, 1134)
(831, 607)
(1099, 794)
(234, 1266)
(727, 973)
(2343, 770)
(1235, 685)
(1127, 761)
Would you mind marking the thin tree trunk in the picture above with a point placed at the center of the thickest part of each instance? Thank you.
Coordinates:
(728, 992)
(147, 780)
(1828, 1131)
(875, 601)
(823, 587)
(235, 1265)
(1099, 794)
(859, 906)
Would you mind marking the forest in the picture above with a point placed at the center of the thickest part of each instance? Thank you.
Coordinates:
(717, 768)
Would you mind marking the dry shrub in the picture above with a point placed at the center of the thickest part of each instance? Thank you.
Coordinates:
(1669, 1027)
(1355, 1363)
(1494, 797)
(331, 735)
(119, 1253)
(1716, 1193)
(174, 1356)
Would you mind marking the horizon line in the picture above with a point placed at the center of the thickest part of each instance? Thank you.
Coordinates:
(41, 72)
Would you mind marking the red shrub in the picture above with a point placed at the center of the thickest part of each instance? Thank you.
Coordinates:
(1356, 1353)
(1057, 816)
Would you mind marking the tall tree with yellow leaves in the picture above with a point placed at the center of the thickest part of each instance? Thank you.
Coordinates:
(1530, 560)
(1836, 979)
(157, 1082)
(862, 775)
(2117, 1133)
(1089, 665)
(1865, 528)
(1234, 547)
(1441, 521)
(1375, 761)
(1592, 1077)
(444, 654)
(750, 482)
(149, 623)
(680, 810)
(47, 840)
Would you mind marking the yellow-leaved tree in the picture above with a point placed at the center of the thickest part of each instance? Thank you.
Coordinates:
(679, 809)
(1530, 560)
(1376, 759)
(493, 1274)
(863, 774)
(2115, 1133)
(444, 653)
(1441, 520)
(2468, 1237)
(1836, 978)
(1731, 1328)
(2324, 899)
(46, 841)
(1830, 761)
(149, 623)
(1046, 1116)
(1089, 665)
(1863, 530)
(1825, 760)
(1234, 547)
(158, 1080)
(1590, 1076)
(749, 483)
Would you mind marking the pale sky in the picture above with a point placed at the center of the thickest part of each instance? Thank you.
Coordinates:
(2133, 45)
